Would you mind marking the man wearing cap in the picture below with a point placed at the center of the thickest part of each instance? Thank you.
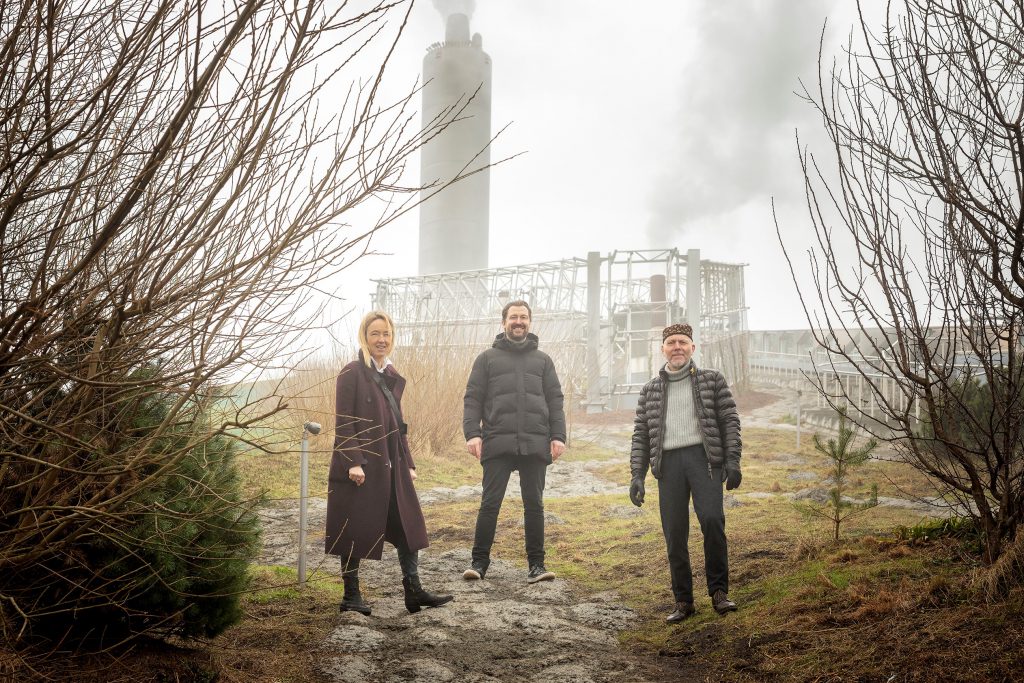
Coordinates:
(687, 431)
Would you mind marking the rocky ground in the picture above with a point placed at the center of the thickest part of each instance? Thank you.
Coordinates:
(501, 628)
(498, 629)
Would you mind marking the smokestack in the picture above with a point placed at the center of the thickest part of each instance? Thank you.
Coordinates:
(456, 29)
(450, 7)
(658, 296)
(454, 223)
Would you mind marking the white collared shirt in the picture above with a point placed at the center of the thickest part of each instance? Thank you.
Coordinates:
(387, 362)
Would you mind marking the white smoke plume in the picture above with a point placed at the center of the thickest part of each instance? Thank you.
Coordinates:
(736, 110)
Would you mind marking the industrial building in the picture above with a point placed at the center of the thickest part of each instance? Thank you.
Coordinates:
(600, 317)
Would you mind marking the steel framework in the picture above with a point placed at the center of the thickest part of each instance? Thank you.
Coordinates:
(600, 317)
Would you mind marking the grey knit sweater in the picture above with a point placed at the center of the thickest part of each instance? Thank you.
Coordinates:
(716, 414)
(681, 426)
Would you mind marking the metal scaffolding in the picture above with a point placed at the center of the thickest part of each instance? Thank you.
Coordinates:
(600, 317)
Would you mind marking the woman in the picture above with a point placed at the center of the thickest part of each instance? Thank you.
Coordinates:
(371, 498)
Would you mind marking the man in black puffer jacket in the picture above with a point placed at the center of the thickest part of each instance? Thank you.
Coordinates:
(687, 430)
(513, 420)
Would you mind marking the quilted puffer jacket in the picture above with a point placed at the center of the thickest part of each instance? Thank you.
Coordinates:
(514, 401)
(716, 413)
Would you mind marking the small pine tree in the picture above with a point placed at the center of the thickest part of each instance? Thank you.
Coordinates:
(843, 457)
(181, 559)
(173, 559)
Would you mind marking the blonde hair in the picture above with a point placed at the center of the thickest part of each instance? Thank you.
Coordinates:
(364, 328)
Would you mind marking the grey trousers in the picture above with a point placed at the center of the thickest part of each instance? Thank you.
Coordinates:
(684, 473)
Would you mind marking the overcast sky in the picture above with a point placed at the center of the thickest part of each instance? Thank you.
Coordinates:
(667, 123)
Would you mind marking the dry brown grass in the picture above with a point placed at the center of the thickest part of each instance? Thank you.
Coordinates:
(867, 614)
(433, 399)
(278, 640)
(432, 406)
(808, 548)
(1006, 573)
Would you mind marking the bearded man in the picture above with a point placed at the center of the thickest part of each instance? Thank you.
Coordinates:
(513, 420)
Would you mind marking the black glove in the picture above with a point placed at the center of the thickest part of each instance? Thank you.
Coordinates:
(636, 491)
(732, 477)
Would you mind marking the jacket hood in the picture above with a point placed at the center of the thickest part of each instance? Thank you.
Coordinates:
(504, 343)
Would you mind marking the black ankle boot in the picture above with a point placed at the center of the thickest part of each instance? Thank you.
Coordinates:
(353, 601)
(416, 597)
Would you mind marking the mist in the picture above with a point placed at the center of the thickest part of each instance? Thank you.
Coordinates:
(737, 110)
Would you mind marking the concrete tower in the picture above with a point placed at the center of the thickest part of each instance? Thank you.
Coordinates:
(454, 223)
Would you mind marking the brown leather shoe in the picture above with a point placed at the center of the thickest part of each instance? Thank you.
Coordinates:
(721, 602)
(684, 610)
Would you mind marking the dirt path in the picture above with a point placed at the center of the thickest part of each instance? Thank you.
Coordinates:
(498, 629)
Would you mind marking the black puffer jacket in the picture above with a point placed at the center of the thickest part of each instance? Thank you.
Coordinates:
(716, 414)
(514, 400)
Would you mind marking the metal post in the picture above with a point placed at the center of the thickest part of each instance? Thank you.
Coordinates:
(594, 402)
(307, 428)
(799, 393)
(693, 302)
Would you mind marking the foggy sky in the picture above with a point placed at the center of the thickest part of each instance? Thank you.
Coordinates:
(736, 113)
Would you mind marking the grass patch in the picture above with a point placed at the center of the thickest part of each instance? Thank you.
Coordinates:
(272, 584)
(866, 608)
(870, 607)
(590, 447)
(280, 637)
(278, 640)
(278, 473)
(772, 464)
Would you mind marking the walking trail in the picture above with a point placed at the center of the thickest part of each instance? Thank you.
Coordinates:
(498, 629)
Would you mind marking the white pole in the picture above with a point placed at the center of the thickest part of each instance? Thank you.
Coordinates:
(799, 393)
(307, 428)
(303, 492)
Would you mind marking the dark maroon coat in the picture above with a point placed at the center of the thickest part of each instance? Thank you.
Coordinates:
(366, 433)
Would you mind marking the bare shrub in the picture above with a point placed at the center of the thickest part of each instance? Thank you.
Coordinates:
(917, 290)
(176, 184)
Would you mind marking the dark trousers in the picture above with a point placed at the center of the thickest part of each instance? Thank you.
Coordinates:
(684, 472)
(531, 484)
(408, 560)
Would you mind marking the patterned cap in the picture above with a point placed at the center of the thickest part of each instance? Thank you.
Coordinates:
(678, 328)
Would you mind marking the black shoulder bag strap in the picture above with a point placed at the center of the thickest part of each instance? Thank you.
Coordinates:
(379, 379)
